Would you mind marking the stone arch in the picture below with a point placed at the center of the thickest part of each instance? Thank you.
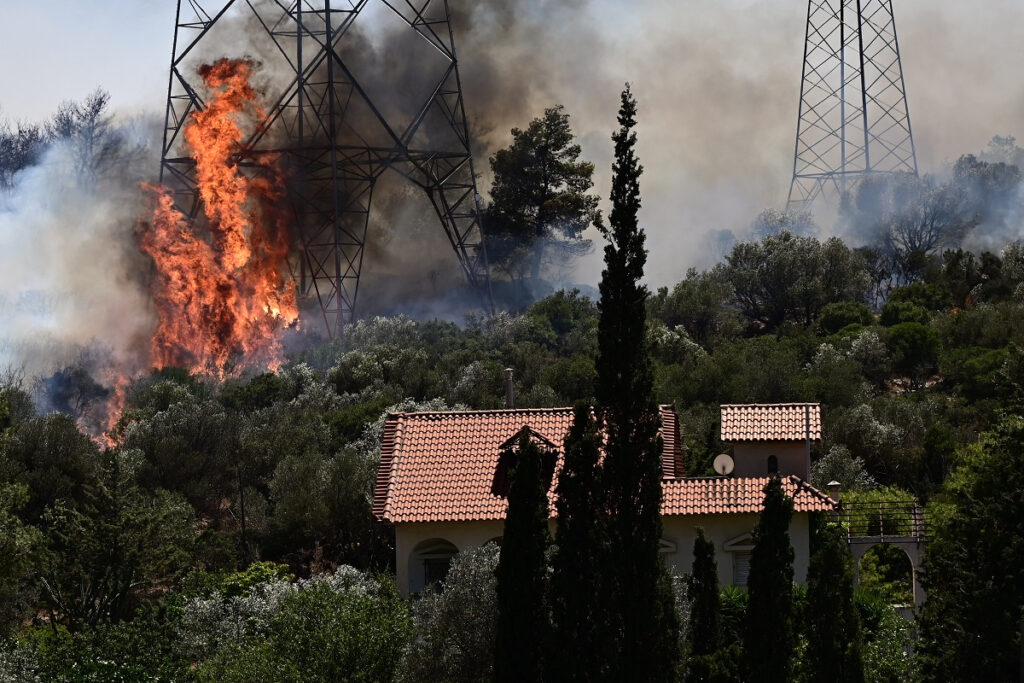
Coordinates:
(912, 549)
(429, 563)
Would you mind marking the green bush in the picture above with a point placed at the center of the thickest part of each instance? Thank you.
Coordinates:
(928, 296)
(974, 371)
(322, 632)
(896, 312)
(886, 571)
(834, 317)
(454, 629)
(889, 519)
(734, 613)
(888, 640)
(915, 347)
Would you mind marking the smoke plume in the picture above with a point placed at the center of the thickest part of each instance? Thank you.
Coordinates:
(717, 85)
(71, 275)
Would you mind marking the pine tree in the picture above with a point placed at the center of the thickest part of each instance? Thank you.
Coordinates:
(769, 638)
(638, 589)
(521, 629)
(580, 622)
(833, 626)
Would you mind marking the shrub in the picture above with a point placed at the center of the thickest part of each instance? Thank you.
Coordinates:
(928, 296)
(915, 347)
(344, 627)
(888, 640)
(834, 317)
(896, 312)
(453, 630)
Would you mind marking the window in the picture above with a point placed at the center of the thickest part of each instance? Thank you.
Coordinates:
(429, 564)
(435, 569)
(740, 548)
(773, 464)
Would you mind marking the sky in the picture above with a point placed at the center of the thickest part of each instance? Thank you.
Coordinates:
(717, 83)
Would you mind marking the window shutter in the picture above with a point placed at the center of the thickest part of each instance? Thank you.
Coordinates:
(740, 568)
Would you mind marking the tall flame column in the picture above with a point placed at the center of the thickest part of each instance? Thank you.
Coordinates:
(337, 129)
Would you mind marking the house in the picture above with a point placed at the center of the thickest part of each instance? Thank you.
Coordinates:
(438, 471)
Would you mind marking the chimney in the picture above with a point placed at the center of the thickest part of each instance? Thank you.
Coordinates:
(510, 400)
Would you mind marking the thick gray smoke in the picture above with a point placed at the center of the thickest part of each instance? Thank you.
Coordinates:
(718, 86)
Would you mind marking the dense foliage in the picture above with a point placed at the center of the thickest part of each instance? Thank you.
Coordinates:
(213, 534)
(971, 624)
(834, 648)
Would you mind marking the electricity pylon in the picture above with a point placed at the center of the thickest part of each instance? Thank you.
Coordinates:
(853, 120)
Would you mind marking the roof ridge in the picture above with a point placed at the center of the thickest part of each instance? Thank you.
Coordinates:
(385, 485)
(809, 487)
(763, 405)
(486, 411)
(494, 411)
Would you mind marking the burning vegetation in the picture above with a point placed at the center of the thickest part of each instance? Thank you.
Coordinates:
(222, 298)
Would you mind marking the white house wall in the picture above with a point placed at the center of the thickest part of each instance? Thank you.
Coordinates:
(679, 530)
(463, 535)
(751, 459)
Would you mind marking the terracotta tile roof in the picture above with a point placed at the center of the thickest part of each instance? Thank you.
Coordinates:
(673, 462)
(440, 466)
(719, 495)
(771, 422)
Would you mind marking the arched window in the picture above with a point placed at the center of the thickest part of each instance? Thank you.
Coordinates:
(429, 563)
(773, 464)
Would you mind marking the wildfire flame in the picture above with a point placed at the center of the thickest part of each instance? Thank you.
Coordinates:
(222, 302)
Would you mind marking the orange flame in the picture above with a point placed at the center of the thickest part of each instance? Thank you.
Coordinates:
(222, 303)
(101, 421)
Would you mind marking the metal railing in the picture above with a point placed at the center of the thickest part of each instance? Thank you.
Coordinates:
(884, 521)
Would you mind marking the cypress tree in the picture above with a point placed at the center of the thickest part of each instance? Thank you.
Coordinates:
(705, 633)
(769, 638)
(580, 620)
(708, 660)
(521, 628)
(833, 626)
(638, 589)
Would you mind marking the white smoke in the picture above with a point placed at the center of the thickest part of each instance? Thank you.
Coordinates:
(69, 265)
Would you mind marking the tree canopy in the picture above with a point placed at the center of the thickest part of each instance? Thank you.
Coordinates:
(540, 199)
(970, 626)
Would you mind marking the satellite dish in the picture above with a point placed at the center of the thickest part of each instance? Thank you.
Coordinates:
(723, 464)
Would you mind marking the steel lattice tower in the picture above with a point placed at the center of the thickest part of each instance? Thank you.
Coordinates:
(336, 131)
(853, 119)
